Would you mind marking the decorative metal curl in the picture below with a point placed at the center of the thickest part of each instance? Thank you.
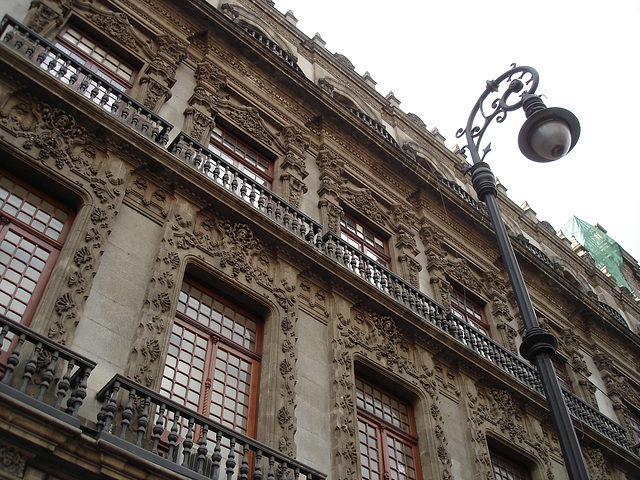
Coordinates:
(518, 78)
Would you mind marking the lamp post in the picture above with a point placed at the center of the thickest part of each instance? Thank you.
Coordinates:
(547, 134)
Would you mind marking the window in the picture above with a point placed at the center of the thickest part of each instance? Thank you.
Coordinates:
(358, 235)
(388, 442)
(238, 153)
(32, 232)
(561, 373)
(506, 469)
(468, 310)
(110, 71)
(213, 362)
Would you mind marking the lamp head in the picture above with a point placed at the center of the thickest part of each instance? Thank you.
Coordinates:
(548, 133)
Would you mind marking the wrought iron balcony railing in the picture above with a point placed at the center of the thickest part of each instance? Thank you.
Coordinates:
(42, 373)
(72, 387)
(374, 125)
(252, 191)
(98, 88)
(275, 48)
(410, 297)
(613, 313)
(535, 251)
(460, 192)
(162, 431)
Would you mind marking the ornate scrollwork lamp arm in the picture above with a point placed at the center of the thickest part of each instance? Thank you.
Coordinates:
(491, 105)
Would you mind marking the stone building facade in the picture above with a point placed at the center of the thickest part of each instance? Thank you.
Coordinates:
(215, 233)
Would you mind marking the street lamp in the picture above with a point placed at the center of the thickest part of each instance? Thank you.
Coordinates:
(547, 134)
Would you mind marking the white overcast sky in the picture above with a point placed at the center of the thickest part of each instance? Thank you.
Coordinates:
(436, 56)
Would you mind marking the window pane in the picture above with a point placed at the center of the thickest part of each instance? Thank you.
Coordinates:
(210, 361)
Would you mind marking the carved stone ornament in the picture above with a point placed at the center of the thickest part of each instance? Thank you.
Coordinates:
(197, 124)
(230, 11)
(209, 81)
(249, 120)
(363, 202)
(168, 52)
(457, 269)
(42, 18)
(329, 162)
(493, 411)
(432, 239)
(116, 25)
(57, 141)
(401, 215)
(597, 465)
(153, 93)
(381, 341)
(344, 61)
(12, 462)
(326, 84)
(293, 189)
(416, 119)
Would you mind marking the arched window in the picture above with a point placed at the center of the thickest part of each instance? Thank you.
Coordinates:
(33, 228)
(388, 441)
(213, 361)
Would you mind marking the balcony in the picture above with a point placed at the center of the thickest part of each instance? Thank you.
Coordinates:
(410, 297)
(164, 432)
(91, 85)
(42, 373)
(613, 313)
(64, 400)
(461, 192)
(374, 125)
(274, 48)
(223, 174)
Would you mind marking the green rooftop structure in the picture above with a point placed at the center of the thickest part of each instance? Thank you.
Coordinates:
(606, 252)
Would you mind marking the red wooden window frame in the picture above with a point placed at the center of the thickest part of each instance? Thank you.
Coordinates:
(365, 239)
(387, 435)
(88, 51)
(505, 468)
(33, 228)
(213, 363)
(469, 310)
(241, 155)
(560, 367)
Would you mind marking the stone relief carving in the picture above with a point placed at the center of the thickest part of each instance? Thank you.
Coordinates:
(287, 298)
(116, 25)
(249, 120)
(294, 142)
(57, 140)
(597, 464)
(379, 339)
(12, 462)
(344, 61)
(493, 411)
(42, 17)
(458, 269)
(363, 202)
(232, 250)
(154, 93)
(416, 119)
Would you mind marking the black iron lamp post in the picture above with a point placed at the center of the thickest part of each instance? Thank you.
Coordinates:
(547, 135)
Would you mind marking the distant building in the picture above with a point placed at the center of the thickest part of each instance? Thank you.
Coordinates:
(223, 253)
